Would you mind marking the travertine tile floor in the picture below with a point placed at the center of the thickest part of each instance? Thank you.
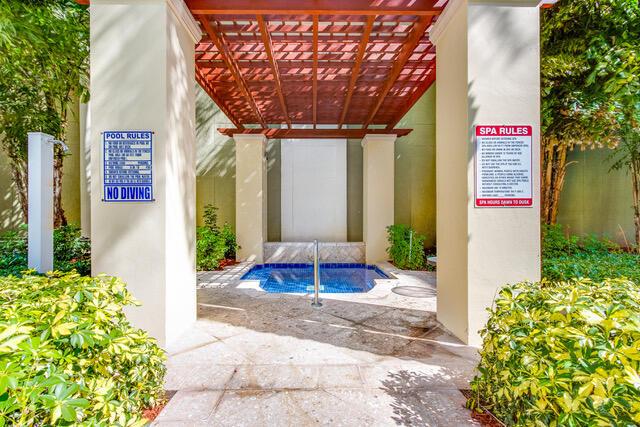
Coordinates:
(374, 359)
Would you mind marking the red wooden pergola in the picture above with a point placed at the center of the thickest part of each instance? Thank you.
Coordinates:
(273, 64)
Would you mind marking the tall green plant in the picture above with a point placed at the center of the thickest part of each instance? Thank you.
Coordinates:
(627, 157)
(214, 244)
(589, 71)
(406, 247)
(44, 50)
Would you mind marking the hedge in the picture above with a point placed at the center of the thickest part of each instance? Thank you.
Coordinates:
(69, 356)
(565, 353)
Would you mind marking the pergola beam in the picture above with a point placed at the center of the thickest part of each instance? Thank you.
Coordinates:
(314, 7)
(202, 81)
(414, 98)
(266, 40)
(362, 47)
(233, 67)
(315, 71)
(407, 49)
(277, 133)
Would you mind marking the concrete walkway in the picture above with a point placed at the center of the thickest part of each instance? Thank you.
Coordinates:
(374, 359)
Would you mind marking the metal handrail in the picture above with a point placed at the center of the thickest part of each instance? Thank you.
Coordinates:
(316, 276)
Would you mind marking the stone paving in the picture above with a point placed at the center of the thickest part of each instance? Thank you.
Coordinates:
(371, 359)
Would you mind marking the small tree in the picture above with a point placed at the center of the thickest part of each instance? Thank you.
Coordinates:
(627, 156)
(44, 50)
(589, 63)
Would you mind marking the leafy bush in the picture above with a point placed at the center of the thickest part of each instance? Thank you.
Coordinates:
(406, 247)
(68, 355)
(210, 248)
(597, 267)
(71, 251)
(567, 257)
(230, 242)
(13, 252)
(556, 244)
(214, 244)
(564, 353)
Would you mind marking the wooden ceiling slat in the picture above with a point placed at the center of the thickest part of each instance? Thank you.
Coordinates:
(231, 65)
(356, 68)
(274, 67)
(417, 32)
(420, 90)
(219, 102)
(314, 7)
(317, 67)
(315, 71)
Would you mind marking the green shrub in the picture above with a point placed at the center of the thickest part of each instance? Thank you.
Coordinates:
(71, 251)
(556, 244)
(564, 353)
(230, 243)
(214, 244)
(597, 267)
(406, 247)
(210, 217)
(69, 356)
(568, 257)
(13, 252)
(210, 249)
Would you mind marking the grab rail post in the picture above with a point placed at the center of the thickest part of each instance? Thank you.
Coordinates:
(316, 276)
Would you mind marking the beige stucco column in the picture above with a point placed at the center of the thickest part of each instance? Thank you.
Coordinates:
(251, 196)
(378, 196)
(85, 170)
(488, 74)
(142, 78)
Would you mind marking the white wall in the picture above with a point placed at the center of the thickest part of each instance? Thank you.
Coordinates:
(314, 190)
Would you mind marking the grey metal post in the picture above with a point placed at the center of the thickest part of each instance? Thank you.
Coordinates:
(316, 276)
(40, 234)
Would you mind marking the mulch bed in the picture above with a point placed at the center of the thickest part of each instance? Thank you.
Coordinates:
(151, 413)
(427, 267)
(485, 418)
(227, 262)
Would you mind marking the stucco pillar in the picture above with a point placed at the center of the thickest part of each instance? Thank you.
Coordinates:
(142, 78)
(85, 170)
(488, 74)
(251, 196)
(378, 194)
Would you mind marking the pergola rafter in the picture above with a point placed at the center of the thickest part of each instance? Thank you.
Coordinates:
(315, 7)
(417, 32)
(266, 40)
(315, 71)
(231, 65)
(356, 68)
(327, 62)
(273, 133)
(221, 104)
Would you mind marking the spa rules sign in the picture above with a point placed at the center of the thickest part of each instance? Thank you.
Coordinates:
(503, 166)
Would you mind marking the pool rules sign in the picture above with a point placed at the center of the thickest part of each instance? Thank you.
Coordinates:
(503, 166)
(127, 166)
